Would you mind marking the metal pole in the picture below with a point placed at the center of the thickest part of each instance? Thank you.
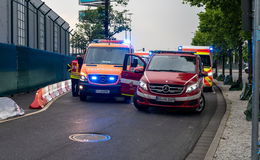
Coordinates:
(240, 63)
(70, 45)
(27, 23)
(37, 21)
(223, 64)
(106, 23)
(53, 35)
(61, 28)
(250, 52)
(230, 62)
(12, 22)
(66, 31)
(130, 36)
(255, 84)
(45, 29)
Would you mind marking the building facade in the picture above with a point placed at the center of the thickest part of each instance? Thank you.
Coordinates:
(33, 24)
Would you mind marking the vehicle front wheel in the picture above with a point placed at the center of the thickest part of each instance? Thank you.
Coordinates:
(127, 99)
(83, 96)
(202, 105)
(139, 106)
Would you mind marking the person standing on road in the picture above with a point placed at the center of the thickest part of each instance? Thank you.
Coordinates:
(74, 68)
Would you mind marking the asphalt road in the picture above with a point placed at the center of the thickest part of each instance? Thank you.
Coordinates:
(158, 134)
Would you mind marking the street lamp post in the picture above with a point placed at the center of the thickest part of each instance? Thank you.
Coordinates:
(255, 84)
(106, 23)
(130, 26)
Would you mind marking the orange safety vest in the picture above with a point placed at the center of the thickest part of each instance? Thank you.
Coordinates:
(75, 70)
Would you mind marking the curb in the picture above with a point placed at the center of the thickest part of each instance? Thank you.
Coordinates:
(214, 144)
(36, 112)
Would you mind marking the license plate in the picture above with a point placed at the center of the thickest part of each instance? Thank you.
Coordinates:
(103, 91)
(165, 99)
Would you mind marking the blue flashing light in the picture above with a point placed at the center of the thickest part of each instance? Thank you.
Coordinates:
(150, 53)
(211, 48)
(93, 78)
(180, 48)
(112, 78)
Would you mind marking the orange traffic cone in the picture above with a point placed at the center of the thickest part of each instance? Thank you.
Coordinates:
(38, 102)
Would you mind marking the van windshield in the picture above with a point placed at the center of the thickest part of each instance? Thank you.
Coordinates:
(106, 55)
(174, 63)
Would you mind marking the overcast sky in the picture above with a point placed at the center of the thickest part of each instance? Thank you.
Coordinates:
(155, 25)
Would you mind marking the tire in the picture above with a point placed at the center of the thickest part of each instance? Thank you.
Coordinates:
(139, 107)
(208, 89)
(202, 105)
(246, 70)
(127, 99)
(83, 96)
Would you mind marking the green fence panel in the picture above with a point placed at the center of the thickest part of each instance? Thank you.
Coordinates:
(24, 69)
(37, 68)
(8, 69)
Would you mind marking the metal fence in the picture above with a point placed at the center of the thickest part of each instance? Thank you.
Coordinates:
(35, 25)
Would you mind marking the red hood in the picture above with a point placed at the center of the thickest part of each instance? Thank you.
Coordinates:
(169, 77)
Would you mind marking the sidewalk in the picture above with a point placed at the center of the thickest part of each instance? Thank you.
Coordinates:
(235, 141)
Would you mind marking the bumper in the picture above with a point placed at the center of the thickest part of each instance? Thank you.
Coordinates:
(90, 89)
(178, 102)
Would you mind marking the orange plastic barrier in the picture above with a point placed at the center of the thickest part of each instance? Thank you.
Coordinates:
(39, 101)
(48, 93)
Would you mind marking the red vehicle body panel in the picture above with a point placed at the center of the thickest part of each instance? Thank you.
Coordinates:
(171, 77)
(147, 97)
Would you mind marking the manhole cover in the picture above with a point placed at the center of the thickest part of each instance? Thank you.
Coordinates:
(89, 137)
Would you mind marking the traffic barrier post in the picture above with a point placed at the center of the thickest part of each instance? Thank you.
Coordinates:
(46, 94)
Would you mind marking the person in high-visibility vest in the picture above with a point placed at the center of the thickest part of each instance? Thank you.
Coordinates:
(74, 68)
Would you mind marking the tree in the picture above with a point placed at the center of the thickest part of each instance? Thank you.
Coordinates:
(221, 22)
(91, 25)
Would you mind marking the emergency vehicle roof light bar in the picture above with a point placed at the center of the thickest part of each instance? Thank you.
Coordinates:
(108, 41)
(174, 52)
(196, 48)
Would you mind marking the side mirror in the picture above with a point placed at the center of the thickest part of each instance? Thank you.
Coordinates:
(134, 63)
(139, 70)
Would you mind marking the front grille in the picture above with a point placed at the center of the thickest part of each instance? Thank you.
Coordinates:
(103, 79)
(166, 89)
(176, 103)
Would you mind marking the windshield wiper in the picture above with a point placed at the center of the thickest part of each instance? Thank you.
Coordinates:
(176, 71)
(154, 70)
(168, 70)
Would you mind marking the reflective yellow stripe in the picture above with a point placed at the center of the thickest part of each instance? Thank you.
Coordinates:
(208, 81)
(127, 94)
(202, 53)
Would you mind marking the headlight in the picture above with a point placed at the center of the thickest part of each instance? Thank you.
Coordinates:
(143, 85)
(192, 87)
(83, 78)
